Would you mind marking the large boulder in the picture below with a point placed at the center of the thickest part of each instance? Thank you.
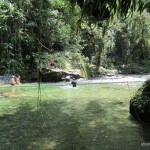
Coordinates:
(140, 103)
(54, 75)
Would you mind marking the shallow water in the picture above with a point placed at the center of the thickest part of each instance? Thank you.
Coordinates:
(117, 79)
(88, 117)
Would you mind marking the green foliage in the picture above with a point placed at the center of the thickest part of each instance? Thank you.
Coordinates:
(26, 25)
(91, 70)
(107, 9)
(31, 30)
(140, 103)
(130, 46)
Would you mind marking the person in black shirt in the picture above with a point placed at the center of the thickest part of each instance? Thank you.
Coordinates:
(74, 82)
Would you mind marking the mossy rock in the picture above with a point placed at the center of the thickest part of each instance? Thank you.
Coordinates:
(140, 103)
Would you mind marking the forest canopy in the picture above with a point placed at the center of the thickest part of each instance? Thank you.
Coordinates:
(92, 36)
(106, 9)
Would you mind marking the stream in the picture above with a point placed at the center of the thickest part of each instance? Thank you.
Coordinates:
(117, 79)
(93, 116)
(101, 80)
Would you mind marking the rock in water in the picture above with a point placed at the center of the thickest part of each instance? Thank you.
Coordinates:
(140, 103)
(52, 77)
(55, 75)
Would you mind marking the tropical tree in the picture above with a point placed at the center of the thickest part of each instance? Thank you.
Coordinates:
(107, 9)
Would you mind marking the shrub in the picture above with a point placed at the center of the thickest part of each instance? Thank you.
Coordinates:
(140, 103)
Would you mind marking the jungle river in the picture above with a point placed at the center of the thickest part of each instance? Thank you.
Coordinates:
(92, 116)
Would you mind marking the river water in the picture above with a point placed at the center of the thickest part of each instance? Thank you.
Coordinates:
(93, 116)
(107, 124)
(104, 79)
(118, 79)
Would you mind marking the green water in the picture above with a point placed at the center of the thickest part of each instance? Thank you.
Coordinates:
(89, 117)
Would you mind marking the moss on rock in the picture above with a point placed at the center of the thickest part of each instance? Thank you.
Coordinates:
(140, 103)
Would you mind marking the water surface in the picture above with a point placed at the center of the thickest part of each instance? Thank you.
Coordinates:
(88, 117)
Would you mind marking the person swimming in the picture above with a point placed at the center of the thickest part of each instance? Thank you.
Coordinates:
(12, 80)
(74, 82)
(17, 79)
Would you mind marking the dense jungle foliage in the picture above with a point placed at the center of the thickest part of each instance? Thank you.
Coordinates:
(32, 33)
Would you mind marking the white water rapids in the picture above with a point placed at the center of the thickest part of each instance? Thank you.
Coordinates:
(116, 79)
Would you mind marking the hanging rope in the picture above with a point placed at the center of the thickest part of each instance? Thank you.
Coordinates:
(39, 71)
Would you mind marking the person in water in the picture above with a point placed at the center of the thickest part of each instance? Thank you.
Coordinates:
(74, 82)
(67, 79)
(12, 80)
(17, 79)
